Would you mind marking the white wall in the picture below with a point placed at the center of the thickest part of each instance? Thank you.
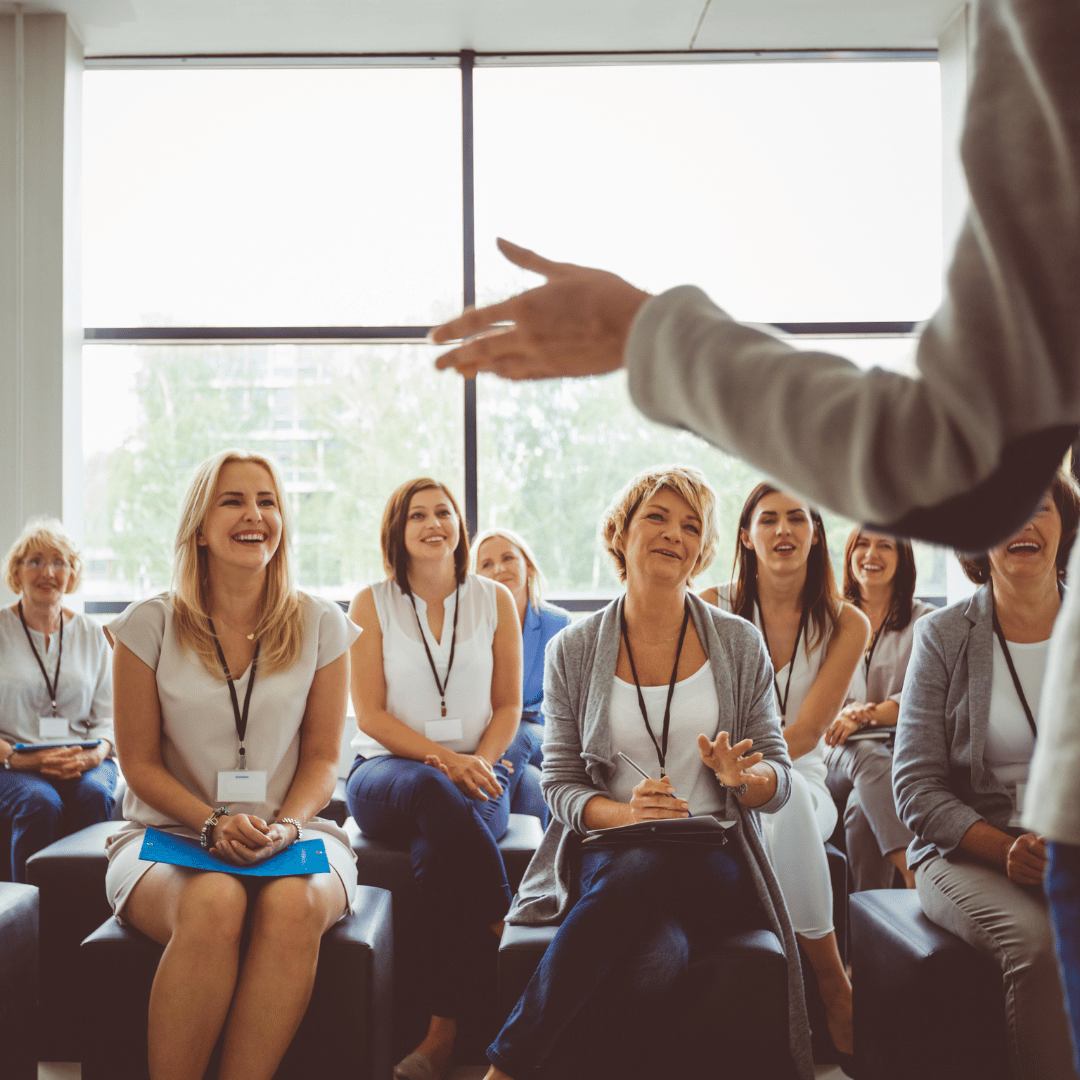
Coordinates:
(41, 62)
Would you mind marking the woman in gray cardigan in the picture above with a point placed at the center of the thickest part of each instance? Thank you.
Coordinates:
(964, 741)
(686, 692)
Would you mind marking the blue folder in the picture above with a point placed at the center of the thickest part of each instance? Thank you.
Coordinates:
(305, 857)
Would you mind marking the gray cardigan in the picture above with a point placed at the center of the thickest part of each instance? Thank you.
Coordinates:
(941, 783)
(579, 760)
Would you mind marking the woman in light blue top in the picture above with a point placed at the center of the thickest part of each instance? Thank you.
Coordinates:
(505, 556)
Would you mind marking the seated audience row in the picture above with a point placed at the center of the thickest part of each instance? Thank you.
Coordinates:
(439, 686)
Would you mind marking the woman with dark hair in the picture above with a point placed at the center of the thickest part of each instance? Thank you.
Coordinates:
(784, 584)
(879, 579)
(963, 749)
(436, 684)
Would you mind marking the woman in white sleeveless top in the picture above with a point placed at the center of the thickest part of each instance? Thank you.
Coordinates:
(436, 683)
(232, 622)
(785, 585)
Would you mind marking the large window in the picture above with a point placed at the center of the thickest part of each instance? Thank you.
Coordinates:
(334, 214)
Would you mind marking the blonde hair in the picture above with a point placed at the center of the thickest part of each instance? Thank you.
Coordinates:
(685, 481)
(280, 627)
(42, 534)
(535, 582)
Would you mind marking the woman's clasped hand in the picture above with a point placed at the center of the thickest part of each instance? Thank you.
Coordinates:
(244, 839)
(473, 775)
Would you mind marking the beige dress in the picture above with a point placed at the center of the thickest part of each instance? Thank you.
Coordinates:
(198, 731)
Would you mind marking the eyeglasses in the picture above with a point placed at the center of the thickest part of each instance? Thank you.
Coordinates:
(38, 562)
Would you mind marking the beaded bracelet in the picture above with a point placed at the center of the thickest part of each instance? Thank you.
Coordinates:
(208, 827)
(292, 821)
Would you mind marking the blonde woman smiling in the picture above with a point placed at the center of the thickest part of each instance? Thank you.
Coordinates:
(232, 629)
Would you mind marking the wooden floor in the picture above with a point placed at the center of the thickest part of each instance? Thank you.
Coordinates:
(70, 1070)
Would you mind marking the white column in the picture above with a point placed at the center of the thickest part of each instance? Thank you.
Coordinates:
(954, 49)
(41, 63)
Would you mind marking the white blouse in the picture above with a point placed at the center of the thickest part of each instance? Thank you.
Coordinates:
(1009, 739)
(411, 692)
(807, 664)
(695, 710)
(84, 694)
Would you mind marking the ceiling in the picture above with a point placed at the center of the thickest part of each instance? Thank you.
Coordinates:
(194, 27)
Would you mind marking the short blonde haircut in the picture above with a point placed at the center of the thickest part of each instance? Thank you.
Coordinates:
(535, 582)
(280, 628)
(42, 534)
(685, 481)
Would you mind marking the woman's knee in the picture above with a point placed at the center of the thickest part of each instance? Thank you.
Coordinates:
(211, 911)
(291, 912)
(659, 959)
(630, 870)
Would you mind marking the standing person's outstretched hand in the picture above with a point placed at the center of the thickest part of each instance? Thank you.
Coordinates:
(576, 324)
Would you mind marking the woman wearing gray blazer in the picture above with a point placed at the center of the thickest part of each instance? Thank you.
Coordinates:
(685, 691)
(964, 741)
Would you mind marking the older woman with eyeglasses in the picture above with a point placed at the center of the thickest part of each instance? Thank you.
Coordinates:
(55, 687)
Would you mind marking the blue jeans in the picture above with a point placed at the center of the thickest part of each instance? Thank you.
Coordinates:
(621, 951)
(1062, 884)
(39, 810)
(460, 877)
(533, 732)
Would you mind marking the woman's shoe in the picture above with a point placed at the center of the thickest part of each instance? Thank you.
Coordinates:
(415, 1066)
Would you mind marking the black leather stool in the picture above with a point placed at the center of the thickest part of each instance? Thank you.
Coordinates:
(70, 875)
(737, 996)
(18, 980)
(926, 1003)
(345, 1033)
(389, 867)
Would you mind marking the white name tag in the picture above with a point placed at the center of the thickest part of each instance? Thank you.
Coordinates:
(1021, 787)
(241, 785)
(445, 730)
(53, 727)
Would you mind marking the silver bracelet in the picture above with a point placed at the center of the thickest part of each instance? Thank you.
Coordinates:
(292, 821)
(738, 792)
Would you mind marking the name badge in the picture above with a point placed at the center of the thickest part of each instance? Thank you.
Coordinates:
(445, 730)
(53, 727)
(1021, 787)
(241, 785)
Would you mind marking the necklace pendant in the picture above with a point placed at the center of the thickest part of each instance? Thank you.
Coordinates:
(251, 637)
(443, 713)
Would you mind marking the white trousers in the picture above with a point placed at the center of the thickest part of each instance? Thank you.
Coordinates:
(795, 843)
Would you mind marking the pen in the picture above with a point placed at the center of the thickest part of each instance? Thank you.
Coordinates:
(634, 765)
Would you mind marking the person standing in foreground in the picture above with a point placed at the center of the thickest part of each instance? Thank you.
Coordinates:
(961, 455)
(231, 629)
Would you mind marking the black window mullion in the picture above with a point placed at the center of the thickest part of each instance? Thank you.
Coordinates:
(468, 231)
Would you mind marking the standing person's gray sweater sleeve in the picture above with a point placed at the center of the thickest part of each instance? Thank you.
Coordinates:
(922, 763)
(961, 454)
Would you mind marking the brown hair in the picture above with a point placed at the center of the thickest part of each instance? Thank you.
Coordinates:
(688, 483)
(392, 534)
(1066, 495)
(903, 582)
(819, 591)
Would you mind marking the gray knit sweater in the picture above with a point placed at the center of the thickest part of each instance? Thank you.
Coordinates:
(579, 759)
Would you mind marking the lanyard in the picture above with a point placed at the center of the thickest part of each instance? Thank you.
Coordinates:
(782, 699)
(869, 654)
(453, 645)
(241, 718)
(53, 686)
(1012, 671)
(661, 747)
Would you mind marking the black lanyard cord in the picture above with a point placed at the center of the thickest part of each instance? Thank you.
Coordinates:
(868, 656)
(427, 649)
(53, 686)
(241, 718)
(1012, 671)
(782, 699)
(661, 747)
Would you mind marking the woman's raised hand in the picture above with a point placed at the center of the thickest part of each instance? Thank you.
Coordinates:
(656, 799)
(473, 775)
(244, 839)
(731, 764)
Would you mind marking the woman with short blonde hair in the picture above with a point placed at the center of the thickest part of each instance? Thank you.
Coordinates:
(55, 687)
(232, 629)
